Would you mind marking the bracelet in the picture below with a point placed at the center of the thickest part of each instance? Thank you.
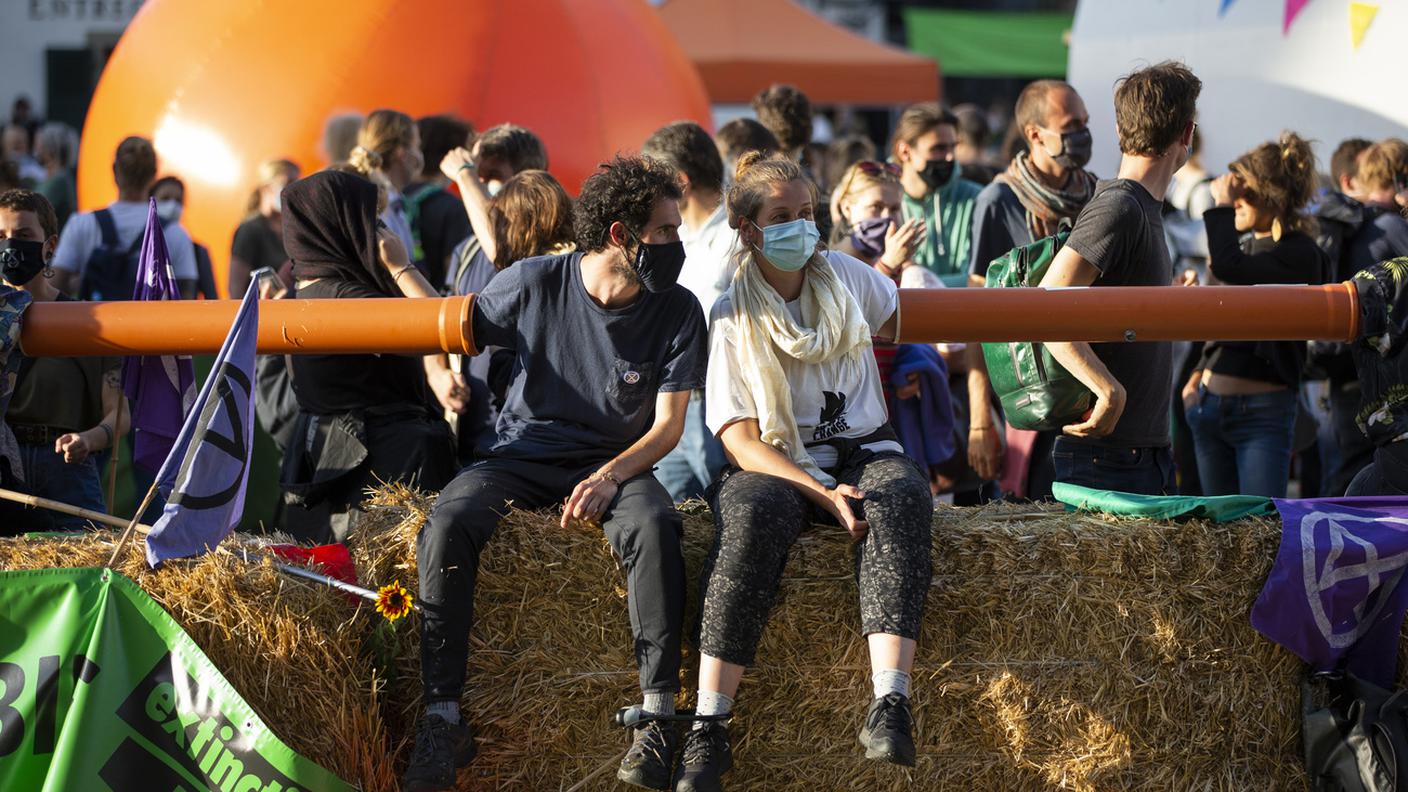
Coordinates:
(399, 273)
(609, 476)
(107, 430)
(468, 166)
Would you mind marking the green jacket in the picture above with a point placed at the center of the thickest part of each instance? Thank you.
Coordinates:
(948, 228)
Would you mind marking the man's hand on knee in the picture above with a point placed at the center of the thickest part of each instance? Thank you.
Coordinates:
(590, 499)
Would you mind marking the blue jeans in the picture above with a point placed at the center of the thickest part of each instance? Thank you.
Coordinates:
(1244, 443)
(47, 475)
(1142, 471)
(693, 465)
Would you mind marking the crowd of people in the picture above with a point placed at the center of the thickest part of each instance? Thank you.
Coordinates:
(717, 318)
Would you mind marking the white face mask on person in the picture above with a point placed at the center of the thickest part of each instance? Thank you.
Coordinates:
(169, 211)
(789, 246)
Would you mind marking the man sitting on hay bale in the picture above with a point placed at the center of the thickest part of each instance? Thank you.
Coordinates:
(607, 348)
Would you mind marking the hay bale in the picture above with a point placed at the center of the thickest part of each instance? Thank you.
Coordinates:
(1059, 651)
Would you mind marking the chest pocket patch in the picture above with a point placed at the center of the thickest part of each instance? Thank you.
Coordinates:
(630, 384)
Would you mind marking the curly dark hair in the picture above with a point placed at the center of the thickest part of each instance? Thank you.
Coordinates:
(787, 114)
(30, 201)
(624, 189)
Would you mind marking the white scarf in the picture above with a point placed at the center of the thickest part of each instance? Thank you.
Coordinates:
(832, 327)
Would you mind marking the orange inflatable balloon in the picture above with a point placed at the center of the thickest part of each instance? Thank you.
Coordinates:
(220, 87)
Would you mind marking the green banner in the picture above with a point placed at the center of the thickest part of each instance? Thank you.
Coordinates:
(101, 689)
(1026, 44)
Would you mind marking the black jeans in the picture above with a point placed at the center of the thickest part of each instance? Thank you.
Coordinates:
(1386, 475)
(641, 524)
(1355, 450)
(1142, 471)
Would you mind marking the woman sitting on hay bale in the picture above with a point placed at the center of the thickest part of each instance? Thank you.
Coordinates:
(794, 394)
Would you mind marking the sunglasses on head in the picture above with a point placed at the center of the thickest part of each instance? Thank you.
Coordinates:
(871, 167)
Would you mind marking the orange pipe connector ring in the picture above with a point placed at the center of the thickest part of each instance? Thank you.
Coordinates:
(309, 327)
(1137, 313)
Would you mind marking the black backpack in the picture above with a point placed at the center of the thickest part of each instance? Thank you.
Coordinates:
(1354, 734)
(111, 272)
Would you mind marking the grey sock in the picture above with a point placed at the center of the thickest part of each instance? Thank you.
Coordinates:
(659, 703)
(449, 710)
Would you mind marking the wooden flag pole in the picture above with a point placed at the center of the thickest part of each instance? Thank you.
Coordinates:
(242, 554)
(64, 508)
(112, 471)
(132, 526)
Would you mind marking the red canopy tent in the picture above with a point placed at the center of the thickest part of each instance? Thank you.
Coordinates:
(743, 46)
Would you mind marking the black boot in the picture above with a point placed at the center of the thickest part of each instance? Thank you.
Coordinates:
(887, 731)
(707, 756)
(651, 759)
(441, 749)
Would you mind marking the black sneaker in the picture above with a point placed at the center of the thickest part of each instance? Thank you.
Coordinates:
(886, 734)
(441, 749)
(707, 756)
(651, 758)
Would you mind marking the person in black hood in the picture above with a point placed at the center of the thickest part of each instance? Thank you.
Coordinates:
(362, 418)
(1241, 402)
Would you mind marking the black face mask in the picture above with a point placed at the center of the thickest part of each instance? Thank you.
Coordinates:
(937, 173)
(20, 260)
(658, 266)
(1075, 149)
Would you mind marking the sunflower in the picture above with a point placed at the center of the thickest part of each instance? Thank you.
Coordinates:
(393, 601)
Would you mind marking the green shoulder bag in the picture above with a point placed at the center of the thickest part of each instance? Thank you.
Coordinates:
(1036, 392)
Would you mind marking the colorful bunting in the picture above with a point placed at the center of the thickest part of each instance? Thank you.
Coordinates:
(1361, 16)
(1293, 9)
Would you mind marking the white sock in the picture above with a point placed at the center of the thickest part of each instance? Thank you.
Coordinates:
(891, 680)
(659, 703)
(712, 703)
(449, 710)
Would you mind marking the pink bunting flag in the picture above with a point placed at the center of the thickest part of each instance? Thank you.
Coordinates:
(1293, 9)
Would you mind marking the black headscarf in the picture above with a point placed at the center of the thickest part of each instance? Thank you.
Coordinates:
(329, 220)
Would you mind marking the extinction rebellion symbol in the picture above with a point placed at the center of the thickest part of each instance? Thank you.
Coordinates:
(1353, 569)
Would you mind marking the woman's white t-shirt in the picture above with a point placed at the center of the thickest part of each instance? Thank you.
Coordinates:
(828, 399)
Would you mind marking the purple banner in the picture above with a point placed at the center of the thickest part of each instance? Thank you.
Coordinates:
(159, 388)
(1335, 595)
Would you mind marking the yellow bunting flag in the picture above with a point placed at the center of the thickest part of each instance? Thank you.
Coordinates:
(1361, 16)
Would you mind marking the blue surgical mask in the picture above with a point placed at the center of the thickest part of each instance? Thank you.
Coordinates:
(789, 246)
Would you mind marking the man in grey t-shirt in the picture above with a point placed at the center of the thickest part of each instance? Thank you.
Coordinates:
(1118, 241)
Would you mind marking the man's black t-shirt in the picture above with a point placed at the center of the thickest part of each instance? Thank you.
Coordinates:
(1121, 233)
(584, 377)
(329, 384)
(442, 223)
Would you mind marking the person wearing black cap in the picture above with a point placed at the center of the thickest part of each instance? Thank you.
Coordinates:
(607, 347)
(363, 419)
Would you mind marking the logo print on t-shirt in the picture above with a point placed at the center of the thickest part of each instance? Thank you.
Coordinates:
(833, 417)
(631, 377)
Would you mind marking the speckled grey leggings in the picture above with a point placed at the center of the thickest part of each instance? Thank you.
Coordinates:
(757, 518)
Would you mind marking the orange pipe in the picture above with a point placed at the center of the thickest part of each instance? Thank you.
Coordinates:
(326, 327)
(926, 315)
(1136, 313)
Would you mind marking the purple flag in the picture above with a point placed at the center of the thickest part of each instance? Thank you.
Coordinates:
(159, 388)
(207, 470)
(1335, 595)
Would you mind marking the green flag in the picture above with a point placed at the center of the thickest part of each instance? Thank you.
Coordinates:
(101, 689)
